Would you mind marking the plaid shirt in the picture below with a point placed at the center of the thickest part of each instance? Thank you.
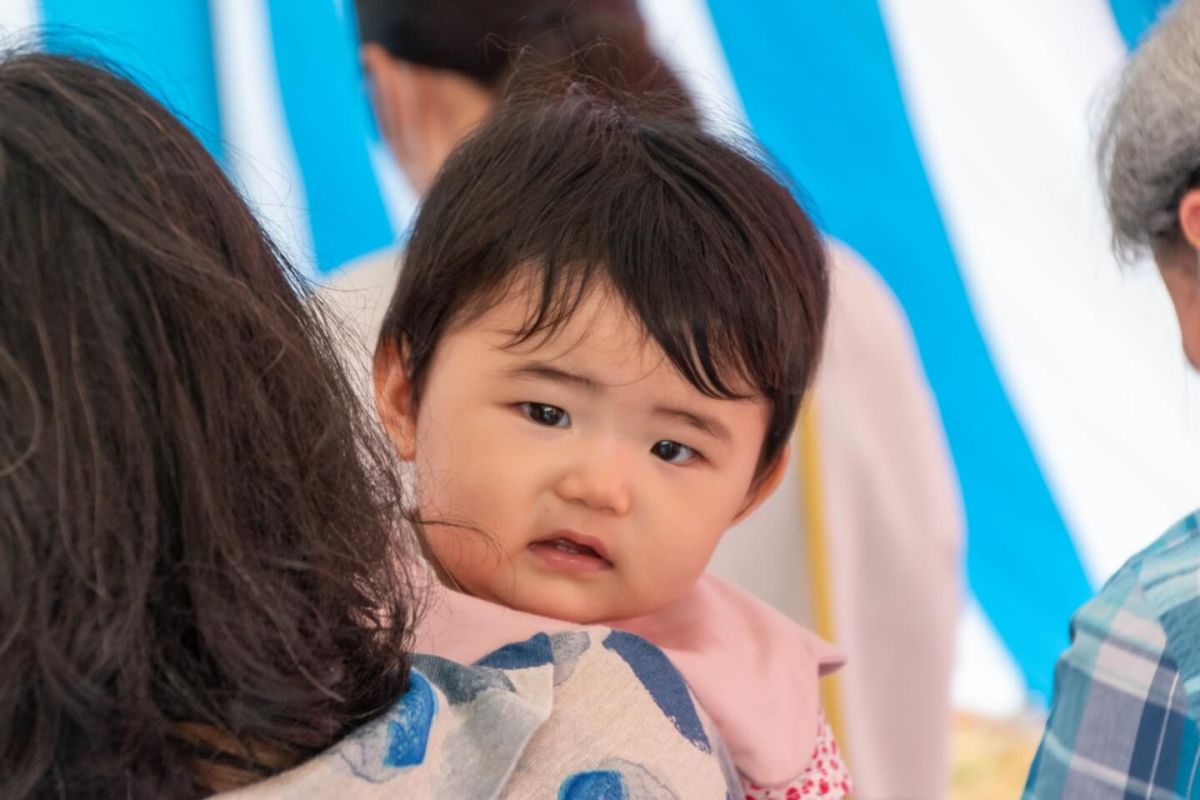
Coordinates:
(1124, 722)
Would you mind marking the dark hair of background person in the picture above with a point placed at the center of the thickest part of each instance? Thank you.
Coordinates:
(704, 245)
(506, 44)
(202, 572)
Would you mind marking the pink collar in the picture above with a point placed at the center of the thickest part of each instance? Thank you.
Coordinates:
(753, 670)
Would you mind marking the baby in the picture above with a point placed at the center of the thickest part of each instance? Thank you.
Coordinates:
(595, 355)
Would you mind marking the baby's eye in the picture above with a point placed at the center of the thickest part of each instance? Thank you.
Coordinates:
(674, 452)
(542, 414)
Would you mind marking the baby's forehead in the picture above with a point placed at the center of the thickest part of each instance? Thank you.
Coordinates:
(599, 339)
(586, 320)
(598, 319)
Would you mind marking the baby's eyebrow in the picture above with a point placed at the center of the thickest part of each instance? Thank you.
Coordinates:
(701, 422)
(548, 372)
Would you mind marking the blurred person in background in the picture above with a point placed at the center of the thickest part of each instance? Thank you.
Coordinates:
(874, 518)
(1125, 720)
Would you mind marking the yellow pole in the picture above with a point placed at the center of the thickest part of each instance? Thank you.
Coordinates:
(816, 548)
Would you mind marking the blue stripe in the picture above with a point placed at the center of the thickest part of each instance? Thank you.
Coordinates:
(820, 89)
(329, 120)
(1135, 16)
(164, 46)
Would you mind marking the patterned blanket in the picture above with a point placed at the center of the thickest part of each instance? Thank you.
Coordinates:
(578, 715)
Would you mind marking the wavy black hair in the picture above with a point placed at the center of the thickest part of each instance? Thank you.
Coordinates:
(201, 550)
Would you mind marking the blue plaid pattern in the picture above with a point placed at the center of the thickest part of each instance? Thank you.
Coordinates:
(1124, 722)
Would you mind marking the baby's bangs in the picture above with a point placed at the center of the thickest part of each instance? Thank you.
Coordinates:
(698, 340)
(702, 346)
(709, 252)
(556, 287)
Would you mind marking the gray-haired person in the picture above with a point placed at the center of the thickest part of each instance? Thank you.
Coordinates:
(1125, 721)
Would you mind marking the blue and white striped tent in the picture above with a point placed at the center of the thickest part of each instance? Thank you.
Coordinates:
(947, 141)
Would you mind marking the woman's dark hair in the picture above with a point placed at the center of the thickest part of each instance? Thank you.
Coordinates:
(507, 44)
(708, 250)
(201, 562)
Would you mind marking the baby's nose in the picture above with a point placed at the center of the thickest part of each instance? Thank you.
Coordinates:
(600, 480)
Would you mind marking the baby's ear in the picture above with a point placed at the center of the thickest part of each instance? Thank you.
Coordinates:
(766, 484)
(393, 396)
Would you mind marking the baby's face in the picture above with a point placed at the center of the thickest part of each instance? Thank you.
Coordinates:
(601, 480)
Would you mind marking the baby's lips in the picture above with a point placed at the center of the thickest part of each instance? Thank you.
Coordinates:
(582, 542)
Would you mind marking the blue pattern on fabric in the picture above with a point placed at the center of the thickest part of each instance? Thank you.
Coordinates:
(533, 652)
(408, 730)
(327, 113)
(1123, 722)
(165, 47)
(849, 143)
(643, 783)
(427, 746)
(459, 684)
(569, 647)
(664, 683)
(1133, 17)
(600, 785)
(1159, 734)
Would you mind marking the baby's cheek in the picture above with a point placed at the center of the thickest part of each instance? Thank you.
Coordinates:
(469, 558)
(673, 572)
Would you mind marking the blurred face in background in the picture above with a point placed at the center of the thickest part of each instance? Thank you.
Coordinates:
(422, 112)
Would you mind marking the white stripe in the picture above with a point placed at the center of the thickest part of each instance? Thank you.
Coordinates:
(1162, 734)
(18, 22)
(1192, 777)
(986, 680)
(258, 145)
(1002, 97)
(682, 31)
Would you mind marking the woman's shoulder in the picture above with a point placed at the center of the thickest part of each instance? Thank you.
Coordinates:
(1147, 613)
(1150, 606)
(566, 715)
(1158, 584)
(1126, 707)
(1178, 548)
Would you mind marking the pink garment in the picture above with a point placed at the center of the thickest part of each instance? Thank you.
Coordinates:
(895, 529)
(825, 779)
(753, 670)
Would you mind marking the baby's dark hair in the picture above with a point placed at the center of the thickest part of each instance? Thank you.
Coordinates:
(707, 248)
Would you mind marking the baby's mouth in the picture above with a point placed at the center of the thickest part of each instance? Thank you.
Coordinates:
(567, 551)
(567, 546)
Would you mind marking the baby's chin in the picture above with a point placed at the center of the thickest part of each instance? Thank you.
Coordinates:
(567, 606)
(580, 613)
(566, 601)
